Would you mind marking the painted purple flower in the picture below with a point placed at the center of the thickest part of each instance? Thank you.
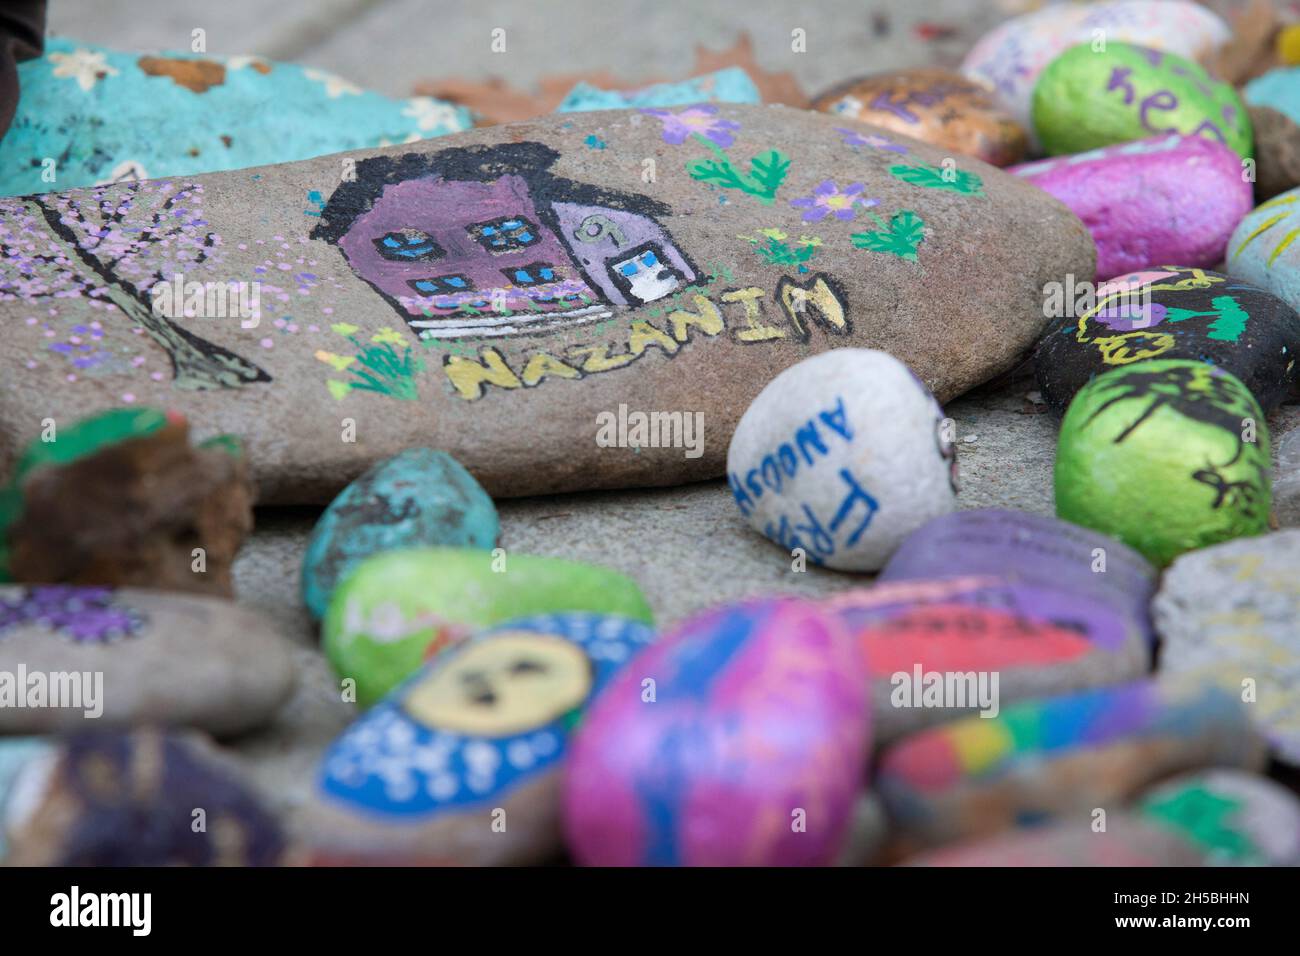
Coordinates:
(828, 199)
(84, 614)
(854, 138)
(700, 120)
(1125, 316)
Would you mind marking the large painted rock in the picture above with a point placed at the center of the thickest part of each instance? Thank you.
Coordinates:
(1166, 199)
(940, 648)
(1262, 248)
(399, 608)
(1087, 98)
(553, 314)
(932, 105)
(1235, 818)
(461, 764)
(136, 800)
(420, 498)
(123, 499)
(1059, 756)
(1128, 840)
(1035, 551)
(1273, 101)
(90, 115)
(1167, 456)
(1010, 57)
(842, 457)
(1174, 313)
(738, 739)
(80, 658)
(1232, 613)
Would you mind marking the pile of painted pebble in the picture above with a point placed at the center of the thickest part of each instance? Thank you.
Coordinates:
(1115, 685)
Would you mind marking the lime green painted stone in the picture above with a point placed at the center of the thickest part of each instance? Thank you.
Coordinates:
(1088, 98)
(396, 610)
(1159, 454)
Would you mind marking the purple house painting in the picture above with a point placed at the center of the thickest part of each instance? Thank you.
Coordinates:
(485, 241)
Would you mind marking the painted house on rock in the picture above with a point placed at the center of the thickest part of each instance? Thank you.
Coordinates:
(485, 241)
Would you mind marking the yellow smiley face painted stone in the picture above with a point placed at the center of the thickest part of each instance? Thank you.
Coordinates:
(502, 685)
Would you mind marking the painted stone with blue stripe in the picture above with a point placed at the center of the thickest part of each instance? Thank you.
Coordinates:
(420, 498)
(739, 739)
(91, 115)
(461, 764)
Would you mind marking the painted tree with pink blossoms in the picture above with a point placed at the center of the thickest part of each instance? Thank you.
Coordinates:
(113, 243)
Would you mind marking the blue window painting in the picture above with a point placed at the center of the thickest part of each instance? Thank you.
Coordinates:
(442, 285)
(409, 245)
(539, 273)
(506, 234)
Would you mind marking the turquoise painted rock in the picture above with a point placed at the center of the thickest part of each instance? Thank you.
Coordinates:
(461, 764)
(1088, 98)
(400, 608)
(420, 498)
(731, 85)
(15, 753)
(738, 739)
(113, 799)
(101, 116)
(1262, 249)
(1059, 756)
(1166, 455)
(1234, 818)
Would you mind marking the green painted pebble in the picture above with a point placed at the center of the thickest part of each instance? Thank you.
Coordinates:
(398, 609)
(1166, 455)
(419, 498)
(1088, 98)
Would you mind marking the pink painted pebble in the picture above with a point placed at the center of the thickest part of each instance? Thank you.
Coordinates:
(739, 739)
(1166, 200)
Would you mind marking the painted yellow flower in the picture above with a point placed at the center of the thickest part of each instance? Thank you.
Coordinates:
(343, 328)
(336, 362)
(387, 336)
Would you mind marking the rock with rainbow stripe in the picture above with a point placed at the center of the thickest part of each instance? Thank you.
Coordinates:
(1264, 250)
(461, 764)
(1176, 312)
(1059, 757)
(740, 738)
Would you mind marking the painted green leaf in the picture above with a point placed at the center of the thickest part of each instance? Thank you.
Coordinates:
(768, 171)
(901, 236)
(936, 177)
(1231, 321)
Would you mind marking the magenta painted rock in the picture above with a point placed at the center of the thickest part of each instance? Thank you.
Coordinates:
(1169, 199)
(740, 739)
(1035, 552)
